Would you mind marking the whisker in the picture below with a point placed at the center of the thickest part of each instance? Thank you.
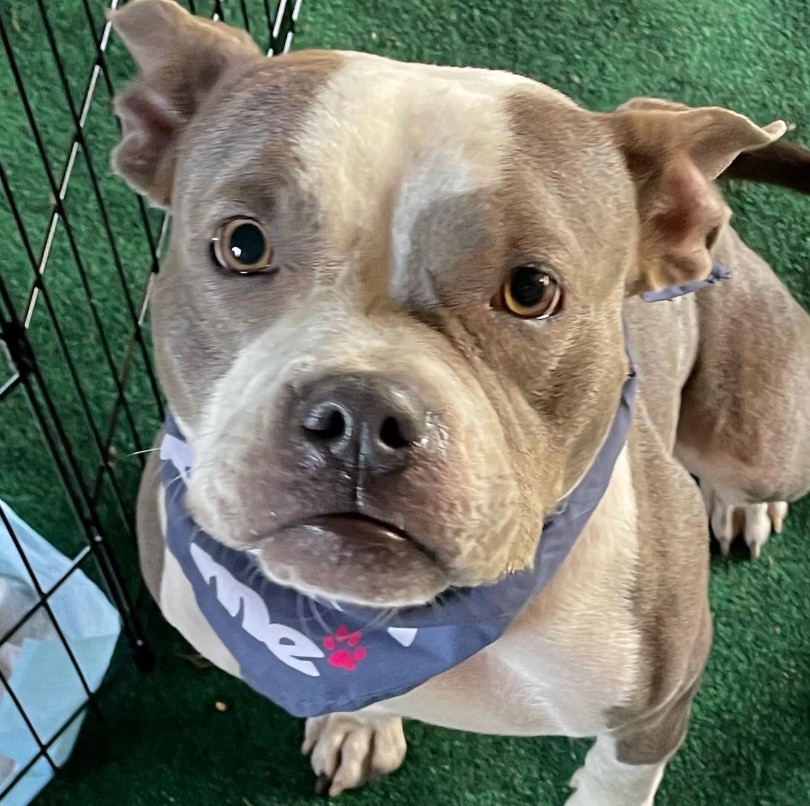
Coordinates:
(299, 608)
(381, 619)
(253, 575)
(316, 614)
(146, 450)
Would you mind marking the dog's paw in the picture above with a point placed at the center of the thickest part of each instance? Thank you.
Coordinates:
(349, 750)
(590, 790)
(755, 522)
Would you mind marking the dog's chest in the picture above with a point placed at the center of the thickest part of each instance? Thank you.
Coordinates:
(526, 686)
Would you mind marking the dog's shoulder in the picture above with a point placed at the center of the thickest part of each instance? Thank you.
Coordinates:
(669, 600)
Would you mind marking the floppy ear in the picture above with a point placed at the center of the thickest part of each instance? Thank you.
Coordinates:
(181, 59)
(674, 153)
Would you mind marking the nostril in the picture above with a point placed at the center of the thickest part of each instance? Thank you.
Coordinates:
(365, 422)
(392, 434)
(326, 423)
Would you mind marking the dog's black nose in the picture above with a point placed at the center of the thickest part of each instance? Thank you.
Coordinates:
(363, 421)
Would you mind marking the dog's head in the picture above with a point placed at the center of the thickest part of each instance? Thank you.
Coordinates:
(390, 317)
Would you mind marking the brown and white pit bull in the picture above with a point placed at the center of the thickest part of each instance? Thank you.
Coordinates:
(478, 240)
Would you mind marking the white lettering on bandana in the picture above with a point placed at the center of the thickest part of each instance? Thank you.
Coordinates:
(287, 644)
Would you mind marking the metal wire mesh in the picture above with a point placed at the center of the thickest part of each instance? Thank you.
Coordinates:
(80, 395)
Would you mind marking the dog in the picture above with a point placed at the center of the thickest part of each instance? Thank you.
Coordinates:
(405, 331)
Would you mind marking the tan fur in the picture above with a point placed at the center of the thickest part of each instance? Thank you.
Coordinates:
(752, 447)
(348, 162)
(564, 663)
(398, 199)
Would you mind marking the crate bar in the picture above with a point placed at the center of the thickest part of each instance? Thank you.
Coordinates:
(293, 21)
(9, 386)
(123, 379)
(46, 605)
(74, 566)
(43, 753)
(73, 151)
(74, 248)
(24, 357)
(284, 26)
(245, 15)
(43, 747)
(69, 363)
(82, 142)
(268, 16)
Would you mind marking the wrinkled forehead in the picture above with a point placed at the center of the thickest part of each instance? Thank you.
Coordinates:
(397, 138)
(348, 125)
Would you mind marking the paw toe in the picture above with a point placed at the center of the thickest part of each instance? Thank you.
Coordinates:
(754, 522)
(777, 512)
(757, 527)
(348, 751)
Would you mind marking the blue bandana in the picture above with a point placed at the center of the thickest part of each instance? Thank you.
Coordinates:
(313, 656)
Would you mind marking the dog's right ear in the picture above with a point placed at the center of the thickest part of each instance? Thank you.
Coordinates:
(673, 154)
(782, 162)
(181, 59)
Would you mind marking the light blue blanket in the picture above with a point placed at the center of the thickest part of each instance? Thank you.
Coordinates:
(42, 675)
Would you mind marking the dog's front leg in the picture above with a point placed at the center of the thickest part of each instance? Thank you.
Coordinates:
(605, 780)
(625, 767)
(348, 750)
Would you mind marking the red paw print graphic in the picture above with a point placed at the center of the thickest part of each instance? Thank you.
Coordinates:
(343, 648)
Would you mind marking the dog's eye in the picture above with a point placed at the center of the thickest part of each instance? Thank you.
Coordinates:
(241, 245)
(531, 292)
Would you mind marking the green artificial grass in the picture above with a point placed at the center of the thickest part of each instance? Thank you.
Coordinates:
(162, 739)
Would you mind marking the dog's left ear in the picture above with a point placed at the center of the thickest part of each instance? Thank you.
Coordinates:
(674, 153)
(181, 59)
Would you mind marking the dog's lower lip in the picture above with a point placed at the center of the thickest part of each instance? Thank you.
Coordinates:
(351, 557)
(339, 522)
(354, 524)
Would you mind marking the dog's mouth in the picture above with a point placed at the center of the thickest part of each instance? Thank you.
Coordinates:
(353, 558)
(352, 523)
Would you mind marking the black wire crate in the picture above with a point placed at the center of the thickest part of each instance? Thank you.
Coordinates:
(79, 400)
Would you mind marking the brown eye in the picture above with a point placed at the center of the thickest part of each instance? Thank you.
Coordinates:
(241, 245)
(531, 293)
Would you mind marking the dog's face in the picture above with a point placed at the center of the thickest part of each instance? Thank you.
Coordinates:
(377, 368)
(390, 319)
